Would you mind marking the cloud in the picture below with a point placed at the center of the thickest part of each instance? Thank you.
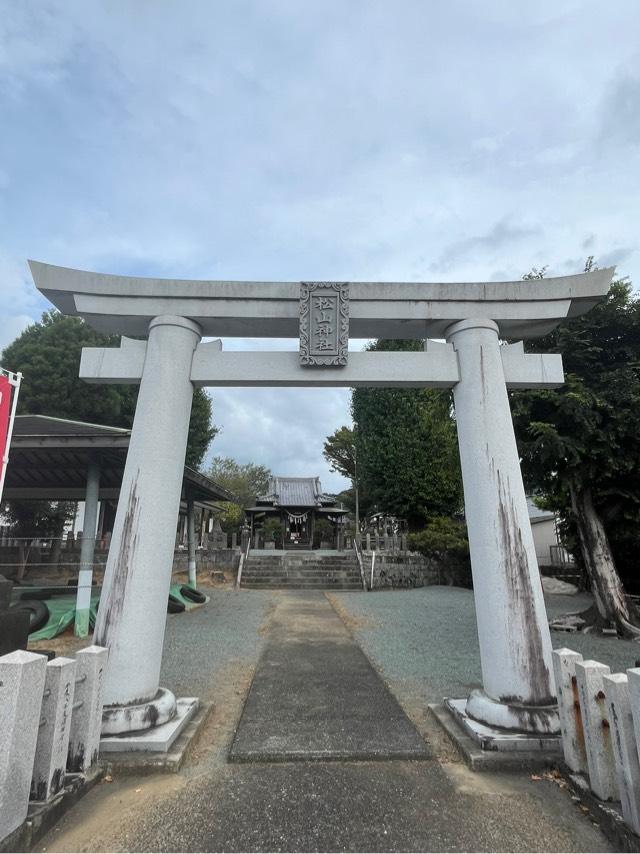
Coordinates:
(281, 428)
(499, 238)
(11, 327)
(620, 122)
(20, 303)
(273, 139)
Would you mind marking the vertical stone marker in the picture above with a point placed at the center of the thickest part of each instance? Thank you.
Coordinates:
(616, 688)
(86, 720)
(22, 676)
(564, 667)
(55, 727)
(602, 772)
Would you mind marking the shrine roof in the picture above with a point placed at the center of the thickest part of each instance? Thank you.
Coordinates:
(296, 492)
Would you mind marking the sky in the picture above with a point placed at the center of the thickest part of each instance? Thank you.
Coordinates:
(313, 140)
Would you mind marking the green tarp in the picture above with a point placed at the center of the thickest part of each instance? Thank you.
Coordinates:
(62, 611)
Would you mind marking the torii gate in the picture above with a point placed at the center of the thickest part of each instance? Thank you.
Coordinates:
(515, 647)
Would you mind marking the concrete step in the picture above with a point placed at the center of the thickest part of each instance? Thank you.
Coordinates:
(313, 579)
(260, 585)
(298, 560)
(301, 570)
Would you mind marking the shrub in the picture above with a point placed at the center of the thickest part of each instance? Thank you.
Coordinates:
(323, 532)
(441, 535)
(272, 531)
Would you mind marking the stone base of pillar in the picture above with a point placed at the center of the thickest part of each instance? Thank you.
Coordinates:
(157, 741)
(497, 739)
(119, 720)
(486, 748)
(535, 720)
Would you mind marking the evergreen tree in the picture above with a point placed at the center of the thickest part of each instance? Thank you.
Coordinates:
(407, 448)
(580, 444)
(48, 355)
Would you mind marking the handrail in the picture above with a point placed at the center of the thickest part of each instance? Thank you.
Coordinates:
(243, 559)
(358, 550)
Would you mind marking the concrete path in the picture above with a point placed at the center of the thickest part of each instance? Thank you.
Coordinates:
(316, 696)
(212, 804)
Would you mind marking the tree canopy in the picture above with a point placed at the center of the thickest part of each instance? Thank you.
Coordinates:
(580, 444)
(48, 355)
(340, 452)
(407, 448)
(244, 480)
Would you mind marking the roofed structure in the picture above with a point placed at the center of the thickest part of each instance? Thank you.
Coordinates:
(296, 492)
(49, 456)
(296, 503)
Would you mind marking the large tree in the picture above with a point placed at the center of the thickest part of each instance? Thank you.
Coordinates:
(48, 354)
(244, 480)
(580, 444)
(340, 450)
(407, 448)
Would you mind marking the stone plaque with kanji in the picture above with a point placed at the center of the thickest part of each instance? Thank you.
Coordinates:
(324, 324)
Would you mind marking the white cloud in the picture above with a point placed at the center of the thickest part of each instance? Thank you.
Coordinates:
(273, 139)
(11, 326)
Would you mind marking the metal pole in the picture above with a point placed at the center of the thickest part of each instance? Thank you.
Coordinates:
(355, 488)
(87, 550)
(191, 541)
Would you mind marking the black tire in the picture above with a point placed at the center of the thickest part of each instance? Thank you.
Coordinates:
(39, 613)
(192, 594)
(174, 605)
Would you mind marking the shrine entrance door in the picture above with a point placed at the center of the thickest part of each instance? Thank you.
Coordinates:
(298, 530)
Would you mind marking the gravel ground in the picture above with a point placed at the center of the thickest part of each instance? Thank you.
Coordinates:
(203, 644)
(424, 641)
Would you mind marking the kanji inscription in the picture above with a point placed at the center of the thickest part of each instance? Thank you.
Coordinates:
(324, 324)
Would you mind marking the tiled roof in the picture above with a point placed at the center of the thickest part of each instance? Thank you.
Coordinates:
(296, 492)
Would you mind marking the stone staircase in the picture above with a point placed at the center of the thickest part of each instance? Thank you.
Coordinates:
(297, 570)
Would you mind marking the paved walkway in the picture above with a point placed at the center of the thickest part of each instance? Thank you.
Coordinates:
(315, 695)
(434, 804)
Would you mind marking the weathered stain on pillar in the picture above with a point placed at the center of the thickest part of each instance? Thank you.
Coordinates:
(525, 633)
(122, 568)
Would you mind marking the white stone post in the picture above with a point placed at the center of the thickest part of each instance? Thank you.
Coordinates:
(564, 666)
(623, 740)
(133, 608)
(22, 676)
(55, 727)
(86, 718)
(633, 674)
(515, 644)
(191, 542)
(597, 732)
(87, 550)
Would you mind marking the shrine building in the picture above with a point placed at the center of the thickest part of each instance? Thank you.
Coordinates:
(298, 504)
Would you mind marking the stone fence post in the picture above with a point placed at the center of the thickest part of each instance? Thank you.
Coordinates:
(86, 718)
(22, 678)
(55, 727)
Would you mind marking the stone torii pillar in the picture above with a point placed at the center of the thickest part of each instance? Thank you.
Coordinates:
(515, 644)
(132, 617)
